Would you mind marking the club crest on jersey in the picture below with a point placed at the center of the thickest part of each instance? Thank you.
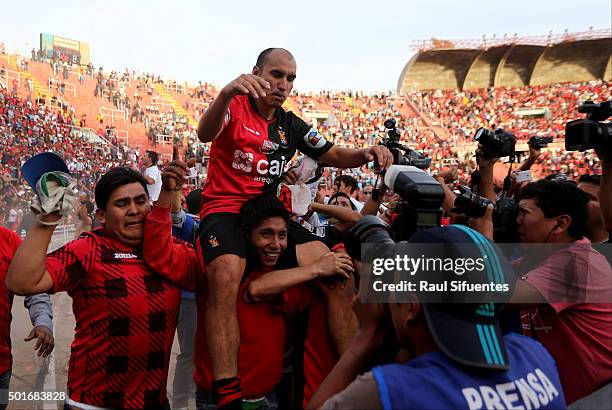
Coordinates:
(268, 146)
(282, 136)
(314, 140)
(243, 161)
(213, 241)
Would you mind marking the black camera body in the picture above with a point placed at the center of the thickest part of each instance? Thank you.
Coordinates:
(505, 211)
(539, 142)
(420, 207)
(402, 155)
(495, 144)
(592, 132)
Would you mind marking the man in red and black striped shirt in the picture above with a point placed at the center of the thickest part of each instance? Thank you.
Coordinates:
(125, 314)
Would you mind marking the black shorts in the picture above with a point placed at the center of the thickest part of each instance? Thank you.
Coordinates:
(222, 233)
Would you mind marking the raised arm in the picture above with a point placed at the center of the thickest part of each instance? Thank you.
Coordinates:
(27, 274)
(485, 167)
(534, 154)
(176, 261)
(213, 120)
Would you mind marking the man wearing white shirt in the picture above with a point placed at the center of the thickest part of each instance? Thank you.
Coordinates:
(152, 174)
(348, 185)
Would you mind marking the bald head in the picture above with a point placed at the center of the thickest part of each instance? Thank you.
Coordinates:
(264, 55)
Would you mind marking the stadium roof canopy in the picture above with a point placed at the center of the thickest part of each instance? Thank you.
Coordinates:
(508, 62)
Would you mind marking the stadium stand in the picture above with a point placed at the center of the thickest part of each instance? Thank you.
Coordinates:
(124, 113)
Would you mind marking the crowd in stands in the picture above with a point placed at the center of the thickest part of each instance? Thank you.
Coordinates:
(28, 128)
(504, 107)
(355, 119)
(334, 344)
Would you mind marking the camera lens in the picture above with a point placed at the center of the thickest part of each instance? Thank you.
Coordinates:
(390, 123)
(471, 204)
(480, 132)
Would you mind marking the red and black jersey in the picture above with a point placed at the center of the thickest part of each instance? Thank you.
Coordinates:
(125, 322)
(250, 154)
(9, 242)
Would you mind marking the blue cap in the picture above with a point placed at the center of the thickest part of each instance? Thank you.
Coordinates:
(40, 164)
(469, 333)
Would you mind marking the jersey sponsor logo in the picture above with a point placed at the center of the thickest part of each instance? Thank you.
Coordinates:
(252, 131)
(314, 140)
(243, 161)
(119, 255)
(533, 391)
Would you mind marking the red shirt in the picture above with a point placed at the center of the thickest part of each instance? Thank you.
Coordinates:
(262, 345)
(9, 242)
(250, 154)
(578, 330)
(319, 356)
(262, 328)
(125, 322)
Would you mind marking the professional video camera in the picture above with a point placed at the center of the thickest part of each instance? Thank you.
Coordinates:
(495, 144)
(505, 211)
(402, 155)
(420, 207)
(539, 142)
(592, 132)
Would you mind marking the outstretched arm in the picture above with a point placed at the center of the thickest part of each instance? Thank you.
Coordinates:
(274, 283)
(351, 158)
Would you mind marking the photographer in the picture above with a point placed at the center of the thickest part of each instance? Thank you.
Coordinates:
(451, 365)
(556, 213)
(596, 231)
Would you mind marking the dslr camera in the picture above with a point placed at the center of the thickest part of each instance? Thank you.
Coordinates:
(505, 211)
(592, 132)
(402, 155)
(539, 142)
(495, 144)
(420, 207)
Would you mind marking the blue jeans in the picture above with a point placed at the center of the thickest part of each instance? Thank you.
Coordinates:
(5, 379)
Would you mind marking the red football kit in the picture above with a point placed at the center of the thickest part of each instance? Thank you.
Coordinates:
(9, 242)
(250, 154)
(125, 322)
(262, 327)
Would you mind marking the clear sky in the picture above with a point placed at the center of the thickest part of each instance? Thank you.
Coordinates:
(338, 44)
